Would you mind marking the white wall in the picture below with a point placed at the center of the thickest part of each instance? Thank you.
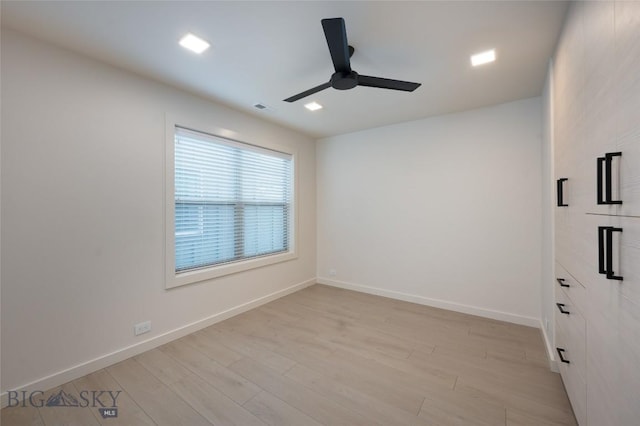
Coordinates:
(82, 213)
(442, 211)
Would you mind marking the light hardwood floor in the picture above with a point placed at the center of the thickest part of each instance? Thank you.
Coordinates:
(327, 356)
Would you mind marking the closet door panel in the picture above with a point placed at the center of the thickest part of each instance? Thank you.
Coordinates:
(602, 371)
(613, 329)
(630, 174)
(598, 129)
(599, 133)
(627, 113)
(628, 349)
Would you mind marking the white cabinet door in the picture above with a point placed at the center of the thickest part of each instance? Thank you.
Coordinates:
(627, 77)
(628, 357)
(613, 329)
(611, 95)
(602, 371)
(628, 321)
(613, 357)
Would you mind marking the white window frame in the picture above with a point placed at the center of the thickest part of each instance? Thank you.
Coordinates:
(173, 279)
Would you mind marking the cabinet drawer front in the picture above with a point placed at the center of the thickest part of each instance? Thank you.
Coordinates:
(570, 337)
(571, 328)
(571, 287)
(576, 388)
(574, 382)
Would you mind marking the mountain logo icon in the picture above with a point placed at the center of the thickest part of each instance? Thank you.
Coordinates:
(62, 399)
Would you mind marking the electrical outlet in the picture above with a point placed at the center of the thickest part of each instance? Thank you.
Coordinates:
(141, 328)
(332, 272)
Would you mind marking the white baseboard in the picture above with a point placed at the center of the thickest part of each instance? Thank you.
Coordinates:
(436, 303)
(101, 362)
(553, 364)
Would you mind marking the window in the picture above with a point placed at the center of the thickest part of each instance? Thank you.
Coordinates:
(232, 206)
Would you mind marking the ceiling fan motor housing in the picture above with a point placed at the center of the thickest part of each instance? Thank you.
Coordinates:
(344, 80)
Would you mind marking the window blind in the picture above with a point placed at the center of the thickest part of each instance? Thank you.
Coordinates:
(232, 201)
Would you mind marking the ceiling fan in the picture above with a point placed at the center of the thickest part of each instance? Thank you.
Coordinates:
(345, 78)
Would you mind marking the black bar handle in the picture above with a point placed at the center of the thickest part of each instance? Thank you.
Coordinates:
(606, 161)
(601, 266)
(599, 163)
(609, 253)
(561, 282)
(562, 358)
(561, 192)
(561, 308)
(607, 186)
(608, 189)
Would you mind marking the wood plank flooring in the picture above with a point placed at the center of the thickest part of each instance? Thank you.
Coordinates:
(327, 356)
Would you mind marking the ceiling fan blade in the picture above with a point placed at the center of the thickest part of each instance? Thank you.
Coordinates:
(385, 83)
(308, 92)
(336, 35)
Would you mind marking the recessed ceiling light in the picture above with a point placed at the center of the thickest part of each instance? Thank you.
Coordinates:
(483, 57)
(313, 106)
(194, 43)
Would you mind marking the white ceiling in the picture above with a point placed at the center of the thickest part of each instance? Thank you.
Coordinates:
(266, 51)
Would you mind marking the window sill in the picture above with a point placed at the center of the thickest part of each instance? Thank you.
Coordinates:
(176, 280)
